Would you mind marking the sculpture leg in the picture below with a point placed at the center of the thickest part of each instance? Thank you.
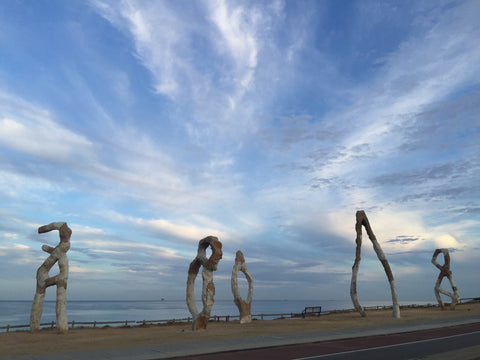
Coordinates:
(445, 272)
(57, 254)
(36, 312)
(61, 309)
(245, 311)
(353, 288)
(362, 220)
(244, 307)
(208, 294)
(437, 292)
(455, 296)
(200, 320)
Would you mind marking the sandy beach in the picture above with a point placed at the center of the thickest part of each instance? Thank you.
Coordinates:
(49, 341)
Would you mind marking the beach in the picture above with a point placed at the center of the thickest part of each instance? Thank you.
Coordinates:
(79, 339)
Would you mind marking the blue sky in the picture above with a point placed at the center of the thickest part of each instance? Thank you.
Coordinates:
(148, 125)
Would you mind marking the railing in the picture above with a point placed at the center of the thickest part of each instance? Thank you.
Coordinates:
(94, 324)
(216, 318)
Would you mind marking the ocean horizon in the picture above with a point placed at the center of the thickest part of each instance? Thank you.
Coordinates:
(17, 312)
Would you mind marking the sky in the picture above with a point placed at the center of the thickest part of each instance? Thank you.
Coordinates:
(149, 125)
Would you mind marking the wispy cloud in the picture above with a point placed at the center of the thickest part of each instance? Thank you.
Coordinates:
(150, 125)
(29, 130)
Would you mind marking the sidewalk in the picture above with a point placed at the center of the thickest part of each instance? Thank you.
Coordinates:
(165, 351)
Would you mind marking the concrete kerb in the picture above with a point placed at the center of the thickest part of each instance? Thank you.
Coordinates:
(175, 350)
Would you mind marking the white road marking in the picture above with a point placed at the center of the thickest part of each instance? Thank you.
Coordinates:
(386, 346)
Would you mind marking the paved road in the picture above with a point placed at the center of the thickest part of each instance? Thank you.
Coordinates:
(300, 345)
(454, 342)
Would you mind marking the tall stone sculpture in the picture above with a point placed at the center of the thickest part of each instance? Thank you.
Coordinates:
(362, 220)
(200, 319)
(243, 306)
(58, 253)
(445, 271)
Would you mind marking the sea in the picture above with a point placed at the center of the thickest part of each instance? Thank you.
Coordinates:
(18, 312)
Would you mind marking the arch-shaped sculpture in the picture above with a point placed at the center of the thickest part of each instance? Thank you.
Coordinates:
(200, 319)
(445, 272)
(243, 306)
(58, 253)
(362, 220)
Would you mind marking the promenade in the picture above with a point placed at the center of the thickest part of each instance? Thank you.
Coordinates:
(216, 338)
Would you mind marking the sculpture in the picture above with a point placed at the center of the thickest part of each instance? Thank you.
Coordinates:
(59, 253)
(445, 271)
(363, 220)
(200, 319)
(243, 306)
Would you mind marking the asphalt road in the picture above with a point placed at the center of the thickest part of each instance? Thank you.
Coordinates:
(455, 342)
(412, 350)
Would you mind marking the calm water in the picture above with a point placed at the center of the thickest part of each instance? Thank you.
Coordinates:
(18, 312)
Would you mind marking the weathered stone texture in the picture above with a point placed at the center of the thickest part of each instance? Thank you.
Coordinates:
(57, 254)
(362, 220)
(200, 319)
(445, 272)
(243, 306)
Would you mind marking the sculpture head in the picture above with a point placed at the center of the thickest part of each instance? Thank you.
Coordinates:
(217, 254)
(446, 256)
(239, 257)
(212, 262)
(64, 232)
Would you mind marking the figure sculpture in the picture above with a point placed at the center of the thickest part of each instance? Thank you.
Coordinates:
(243, 306)
(58, 253)
(362, 220)
(445, 271)
(200, 319)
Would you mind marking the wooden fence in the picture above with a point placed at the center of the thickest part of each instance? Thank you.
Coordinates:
(217, 318)
(94, 324)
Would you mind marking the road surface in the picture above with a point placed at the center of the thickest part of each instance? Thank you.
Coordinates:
(454, 342)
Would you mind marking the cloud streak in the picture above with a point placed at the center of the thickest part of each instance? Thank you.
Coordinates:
(151, 125)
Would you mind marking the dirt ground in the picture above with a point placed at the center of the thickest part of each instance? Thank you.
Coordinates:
(48, 341)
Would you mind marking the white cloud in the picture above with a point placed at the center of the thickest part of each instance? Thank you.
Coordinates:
(110, 247)
(32, 130)
(178, 50)
(424, 69)
(10, 236)
(446, 241)
(221, 71)
(188, 232)
(82, 231)
(139, 165)
(237, 27)
(21, 247)
(19, 255)
(160, 39)
(82, 270)
(41, 136)
(330, 268)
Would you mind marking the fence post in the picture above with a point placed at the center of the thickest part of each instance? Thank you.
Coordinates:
(217, 318)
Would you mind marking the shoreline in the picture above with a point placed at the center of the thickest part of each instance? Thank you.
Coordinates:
(82, 339)
(121, 322)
